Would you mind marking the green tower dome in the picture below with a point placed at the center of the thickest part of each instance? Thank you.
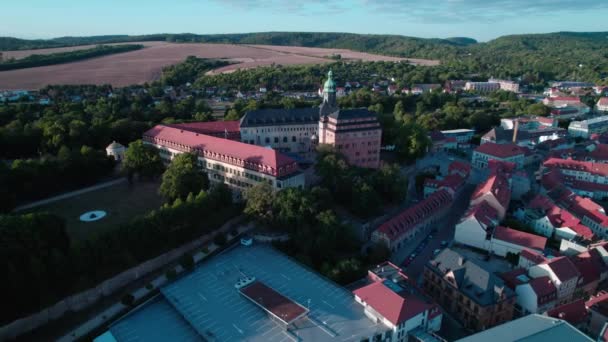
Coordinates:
(330, 85)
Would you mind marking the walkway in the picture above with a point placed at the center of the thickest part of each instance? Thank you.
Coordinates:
(116, 309)
(70, 194)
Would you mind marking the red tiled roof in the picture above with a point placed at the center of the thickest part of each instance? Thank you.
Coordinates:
(544, 289)
(599, 303)
(498, 186)
(533, 256)
(412, 216)
(484, 213)
(251, 157)
(394, 307)
(520, 238)
(576, 165)
(559, 217)
(603, 101)
(563, 268)
(500, 150)
(574, 312)
(458, 166)
(565, 99)
(453, 181)
(501, 166)
(280, 306)
(600, 153)
(210, 127)
(512, 279)
(587, 267)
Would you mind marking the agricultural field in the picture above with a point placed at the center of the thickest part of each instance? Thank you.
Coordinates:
(121, 202)
(145, 65)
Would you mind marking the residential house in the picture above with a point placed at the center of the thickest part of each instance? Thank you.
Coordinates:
(474, 295)
(597, 306)
(534, 295)
(586, 128)
(389, 299)
(584, 178)
(496, 191)
(500, 152)
(463, 136)
(563, 274)
(549, 220)
(602, 105)
(574, 313)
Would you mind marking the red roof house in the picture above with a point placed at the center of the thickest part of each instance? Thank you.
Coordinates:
(519, 238)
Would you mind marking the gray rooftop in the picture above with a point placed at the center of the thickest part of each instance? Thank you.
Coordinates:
(531, 328)
(475, 282)
(206, 304)
(350, 114)
(280, 116)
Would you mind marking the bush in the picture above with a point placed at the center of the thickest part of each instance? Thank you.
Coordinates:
(171, 274)
(220, 239)
(128, 299)
(187, 261)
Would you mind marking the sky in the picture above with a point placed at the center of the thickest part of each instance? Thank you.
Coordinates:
(479, 19)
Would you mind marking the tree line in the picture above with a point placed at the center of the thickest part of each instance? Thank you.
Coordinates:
(42, 265)
(65, 57)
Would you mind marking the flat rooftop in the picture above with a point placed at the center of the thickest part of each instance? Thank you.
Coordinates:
(273, 302)
(205, 304)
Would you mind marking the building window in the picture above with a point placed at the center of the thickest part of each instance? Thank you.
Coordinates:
(276, 140)
(267, 140)
(293, 139)
(284, 139)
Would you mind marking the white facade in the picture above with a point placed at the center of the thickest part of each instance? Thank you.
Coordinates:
(116, 150)
(565, 290)
(480, 160)
(543, 226)
(471, 232)
(528, 300)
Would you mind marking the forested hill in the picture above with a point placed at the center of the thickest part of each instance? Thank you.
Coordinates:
(570, 55)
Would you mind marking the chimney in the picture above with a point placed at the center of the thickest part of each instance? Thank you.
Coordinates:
(515, 129)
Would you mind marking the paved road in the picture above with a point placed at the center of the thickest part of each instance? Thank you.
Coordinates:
(71, 194)
(445, 231)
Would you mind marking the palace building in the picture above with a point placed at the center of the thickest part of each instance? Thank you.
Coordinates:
(234, 163)
(356, 133)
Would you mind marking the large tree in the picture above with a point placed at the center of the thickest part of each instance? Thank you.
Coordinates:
(183, 177)
(143, 160)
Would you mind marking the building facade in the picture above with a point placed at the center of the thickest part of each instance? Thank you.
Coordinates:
(236, 164)
(586, 128)
(499, 152)
(477, 297)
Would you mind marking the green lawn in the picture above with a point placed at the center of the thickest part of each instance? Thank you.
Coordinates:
(121, 202)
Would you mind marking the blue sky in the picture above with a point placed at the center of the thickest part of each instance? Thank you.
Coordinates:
(479, 19)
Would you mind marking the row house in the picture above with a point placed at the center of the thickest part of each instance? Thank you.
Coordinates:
(560, 101)
(562, 272)
(236, 164)
(399, 230)
(574, 313)
(390, 300)
(506, 85)
(585, 178)
(499, 152)
(453, 182)
(534, 295)
(474, 295)
(220, 129)
(549, 220)
(482, 87)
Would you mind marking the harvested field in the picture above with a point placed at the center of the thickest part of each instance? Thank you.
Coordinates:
(145, 65)
(19, 54)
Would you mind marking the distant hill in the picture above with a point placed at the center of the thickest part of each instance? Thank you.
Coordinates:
(533, 57)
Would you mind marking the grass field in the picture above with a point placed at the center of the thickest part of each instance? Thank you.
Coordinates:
(121, 202)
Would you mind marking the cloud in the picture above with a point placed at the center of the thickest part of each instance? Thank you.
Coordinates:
(433, 11)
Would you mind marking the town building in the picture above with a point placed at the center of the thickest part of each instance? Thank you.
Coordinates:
(440, 142)
(506, 85)
(523, 137)
(602, 105)
(530, 328)
(402, 228)
(563, 274)
(475, 296)
(586, 128)
(571, 111)
(236, 164)
(463, 136)
(549, 220)
(534, 295)
(251, 293)
(571, 84)
(454, 86)
(116, 150)
(482, 87)
(389, 299)
(584, 178)
(500, 152)
(355, 133)
(496, 191)
(220, 129)
(453, 182)
(597, 307)
(574, 313)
